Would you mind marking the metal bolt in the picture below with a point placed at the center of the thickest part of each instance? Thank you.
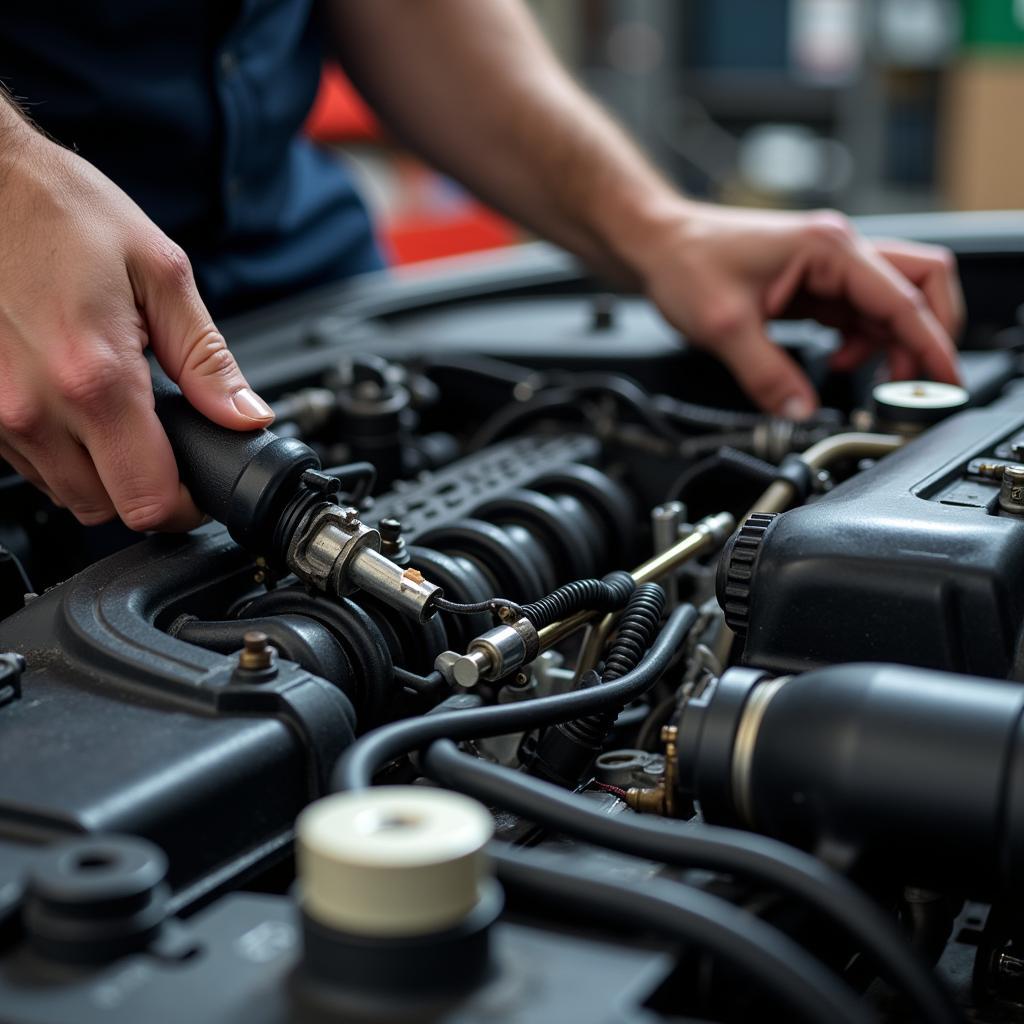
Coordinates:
(257, 655)
(390, 530)
(1011, 492)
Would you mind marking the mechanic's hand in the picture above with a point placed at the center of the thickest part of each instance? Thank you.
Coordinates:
(719, 273)
(87, 281)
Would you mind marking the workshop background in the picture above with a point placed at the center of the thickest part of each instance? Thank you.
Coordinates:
(870, 106)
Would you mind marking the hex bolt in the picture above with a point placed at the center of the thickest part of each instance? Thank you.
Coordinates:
(257, 655)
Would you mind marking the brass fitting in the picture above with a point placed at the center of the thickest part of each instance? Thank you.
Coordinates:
(257, 655)
(660, 799)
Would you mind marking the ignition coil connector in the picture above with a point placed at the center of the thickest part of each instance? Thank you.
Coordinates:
(270, 494)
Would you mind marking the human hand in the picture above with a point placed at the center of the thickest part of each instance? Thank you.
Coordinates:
(87, 283)
(719, 273)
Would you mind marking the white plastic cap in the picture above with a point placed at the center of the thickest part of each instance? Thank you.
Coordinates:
(392, 861)
(920, 395)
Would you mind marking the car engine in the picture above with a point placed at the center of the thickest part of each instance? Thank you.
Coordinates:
(524, 672)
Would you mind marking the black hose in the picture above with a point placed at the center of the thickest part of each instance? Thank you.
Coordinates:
(654, 410)
(356, 767)
(567, 397)
(691, 416)
(298, 638)
(356, 478)
(759, 951)
(604, 595)
(567, 749)
(429, 685)
(708, 847)
(635, 630)
(725, 460)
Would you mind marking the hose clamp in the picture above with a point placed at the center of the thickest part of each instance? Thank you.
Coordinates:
(745, 744)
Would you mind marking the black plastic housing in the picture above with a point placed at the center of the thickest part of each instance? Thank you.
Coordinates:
(243, 479)
(907, 562)
(917, 773)
(122, 728)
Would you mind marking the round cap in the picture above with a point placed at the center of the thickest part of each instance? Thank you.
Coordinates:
(392, 861)
(736, 569)
(917, 401)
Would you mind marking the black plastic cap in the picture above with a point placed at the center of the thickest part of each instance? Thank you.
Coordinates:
(737, 567)
(95, 899)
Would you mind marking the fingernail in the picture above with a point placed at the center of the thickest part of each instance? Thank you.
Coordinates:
(797, 408)
(250, 405)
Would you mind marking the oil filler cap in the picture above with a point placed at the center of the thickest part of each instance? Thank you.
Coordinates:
(393, 861)
(909, 406)
(736, 570)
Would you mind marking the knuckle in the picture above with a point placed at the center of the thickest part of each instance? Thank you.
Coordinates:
(21, 419)
(830, 228)
(172, 265)
(209, 355)
(913, 303)
(719, 321)
(86, 380)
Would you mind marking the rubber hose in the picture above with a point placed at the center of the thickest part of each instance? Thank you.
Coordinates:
(356, 767)
(705, 847)
(730, 460)
(693, 917)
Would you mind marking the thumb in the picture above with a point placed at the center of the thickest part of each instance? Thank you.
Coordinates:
(189, 347)
(768, 375)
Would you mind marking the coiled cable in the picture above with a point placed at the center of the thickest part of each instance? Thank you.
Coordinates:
(635, 630)
(604, 595)
(567, 749)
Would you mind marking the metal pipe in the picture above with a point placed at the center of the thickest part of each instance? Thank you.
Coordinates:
(665, 523)
(711, 531)
(823, 454)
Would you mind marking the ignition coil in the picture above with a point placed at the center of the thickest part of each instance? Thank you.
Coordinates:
(271, 495)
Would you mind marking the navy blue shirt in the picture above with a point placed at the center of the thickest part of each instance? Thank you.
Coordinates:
(194, 107)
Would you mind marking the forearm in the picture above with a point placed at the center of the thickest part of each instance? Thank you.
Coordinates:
(474, 87)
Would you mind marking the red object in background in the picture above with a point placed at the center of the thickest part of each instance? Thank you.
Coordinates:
(339, 113)
(433, 217)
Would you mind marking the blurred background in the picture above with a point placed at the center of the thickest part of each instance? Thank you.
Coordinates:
(870, 106)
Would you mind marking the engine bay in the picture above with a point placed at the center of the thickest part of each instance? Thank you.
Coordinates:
(743, 696)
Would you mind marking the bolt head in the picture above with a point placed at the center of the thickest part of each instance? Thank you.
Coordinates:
(257, 654)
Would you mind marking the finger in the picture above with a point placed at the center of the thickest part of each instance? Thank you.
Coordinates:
(133, 457)
(26, 470)
(70, 477)
(188, 345)
(881, 293)
(855, 351)
(768, 375)
(932, 269)
(902, 365)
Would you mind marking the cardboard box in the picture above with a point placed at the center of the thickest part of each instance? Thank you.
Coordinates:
(982, 139)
